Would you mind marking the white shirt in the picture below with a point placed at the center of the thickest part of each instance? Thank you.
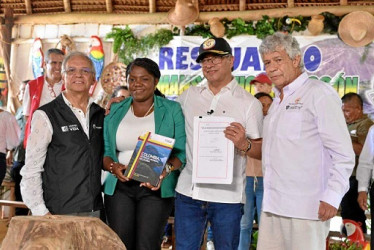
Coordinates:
(366, 162)
(36, 151)
(232, 101)
(9, 132)
(130, 128)
(45, 98)
(307, 152)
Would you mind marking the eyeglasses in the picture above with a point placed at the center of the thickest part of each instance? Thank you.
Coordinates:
(213, 59)
(74, 71)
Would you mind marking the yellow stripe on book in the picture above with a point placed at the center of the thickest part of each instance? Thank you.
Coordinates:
(139, 153)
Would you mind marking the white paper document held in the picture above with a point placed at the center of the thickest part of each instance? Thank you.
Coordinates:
(213, 153)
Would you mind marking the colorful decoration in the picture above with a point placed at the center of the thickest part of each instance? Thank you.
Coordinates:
(355, 234)
(37, 58)
(96, 54)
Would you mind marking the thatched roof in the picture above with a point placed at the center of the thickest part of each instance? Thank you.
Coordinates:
(27, 7)
(109, 11)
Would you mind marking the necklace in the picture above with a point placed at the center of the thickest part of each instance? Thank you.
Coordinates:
(147, 113)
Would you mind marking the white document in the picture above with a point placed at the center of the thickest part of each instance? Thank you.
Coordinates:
(213, 153)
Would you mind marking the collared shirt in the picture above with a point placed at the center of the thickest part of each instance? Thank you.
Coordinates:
(40, 138)
(366, 163)
(358, 131)
(232, 101)
(9, 132)
(45, 98)
(307, 153)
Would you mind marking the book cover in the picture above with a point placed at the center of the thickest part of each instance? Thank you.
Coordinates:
(149, 158)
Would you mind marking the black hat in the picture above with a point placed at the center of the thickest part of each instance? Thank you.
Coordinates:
(214, 45)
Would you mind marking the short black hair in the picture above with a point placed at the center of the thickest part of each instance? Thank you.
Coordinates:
(52, 51)
(262, 94)
(147, 64)
(117, 89)
(353, 96)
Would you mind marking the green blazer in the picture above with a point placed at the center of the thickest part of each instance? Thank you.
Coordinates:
(169, 121)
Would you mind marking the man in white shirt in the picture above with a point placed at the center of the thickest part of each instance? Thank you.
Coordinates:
(43, 89)
(307, 155)
(221, 204)
(64, 154)
(365, 175)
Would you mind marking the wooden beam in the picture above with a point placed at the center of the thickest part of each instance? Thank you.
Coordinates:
(152, 6)
(28, 7)
(161, 18)
(67, 6)
(242, 5)
(290, 3)
(109, 6)
(343, 2)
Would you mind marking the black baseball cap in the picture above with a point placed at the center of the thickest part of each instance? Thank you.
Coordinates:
(214, 45)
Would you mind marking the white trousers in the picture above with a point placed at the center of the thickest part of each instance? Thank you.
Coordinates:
(285, 233)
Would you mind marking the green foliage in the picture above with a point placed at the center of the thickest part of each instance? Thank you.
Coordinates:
(331, 23)
(264, 27)
(238, 27)
(345, 245)
(202, 30)
(129, 47)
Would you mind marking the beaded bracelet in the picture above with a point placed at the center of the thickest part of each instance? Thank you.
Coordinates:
(111, 166)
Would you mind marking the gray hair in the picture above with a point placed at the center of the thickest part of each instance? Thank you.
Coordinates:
(78, 54)
(283, 41)
(52, 51)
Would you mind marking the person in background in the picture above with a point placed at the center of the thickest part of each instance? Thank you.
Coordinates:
(137, 212)
(262, 84)
(365, 177)
(19, 151)
(9, 138)
(220, 204)
(254, 188)
(121, 91)
(64, 155)
(358, 126)
(43, 89)
(307, 153)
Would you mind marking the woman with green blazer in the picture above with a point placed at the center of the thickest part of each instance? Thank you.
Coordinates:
(136, 211)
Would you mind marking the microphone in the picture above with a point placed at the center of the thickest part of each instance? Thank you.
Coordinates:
(210, 112)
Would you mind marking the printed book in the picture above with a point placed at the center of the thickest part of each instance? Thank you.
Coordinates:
(149, 158)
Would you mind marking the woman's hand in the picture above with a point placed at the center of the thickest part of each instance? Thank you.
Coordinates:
(117, 171)
(153, 188)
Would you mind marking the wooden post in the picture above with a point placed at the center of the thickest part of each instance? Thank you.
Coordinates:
(290, 3)
(5, 45)
(109, 6)
(343, 2)
(242, 5)
(152, 6)
(67, 6)
(28, 7)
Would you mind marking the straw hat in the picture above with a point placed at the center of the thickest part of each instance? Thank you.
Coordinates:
(357, 28)
(183, 13)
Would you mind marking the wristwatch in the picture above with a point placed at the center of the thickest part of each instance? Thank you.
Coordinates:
(248, 147)
(169, 167)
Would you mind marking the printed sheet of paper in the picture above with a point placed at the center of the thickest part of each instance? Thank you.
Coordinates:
(213, 153)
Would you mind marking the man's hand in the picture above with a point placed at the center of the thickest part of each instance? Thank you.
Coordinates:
(236, 133)
(9, 158)
(326, 211)
(362, 200)
(111, 101)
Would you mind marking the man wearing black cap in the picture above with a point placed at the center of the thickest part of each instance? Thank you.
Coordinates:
(221, 204)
